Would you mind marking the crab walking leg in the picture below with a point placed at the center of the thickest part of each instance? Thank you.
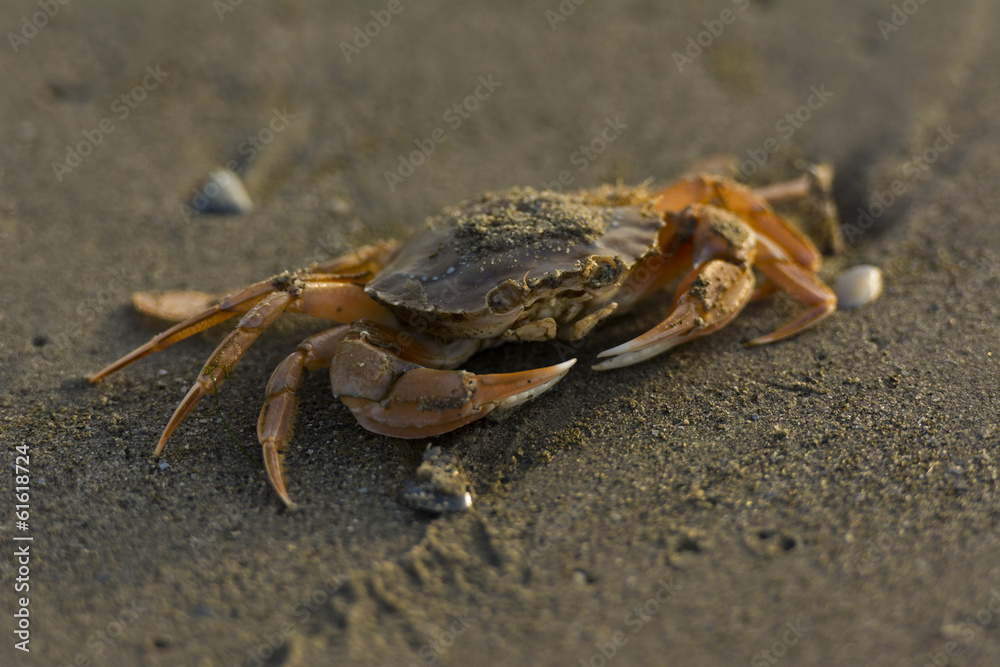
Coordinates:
(709, 297)
(355, 267)
(220, 365)
(173, 306)
(802, 285)
(332, 301)
(232, 305)
(365, 261)
(329, 297)
(652, 275)
(177, 306)
(275, 423)
(748, 206)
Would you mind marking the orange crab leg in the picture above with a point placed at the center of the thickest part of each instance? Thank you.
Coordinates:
(744, 203)
(220, 365)
(329, 300)
(364, 262)
(381, 376)
(802, 285)
(275, 423)
(653, 274)
(725, 249)
(356, 267)
(234, 304)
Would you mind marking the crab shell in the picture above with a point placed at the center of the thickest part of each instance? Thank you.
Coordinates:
(520, 264)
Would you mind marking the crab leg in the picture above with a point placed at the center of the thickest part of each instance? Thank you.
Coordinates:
(364, 262)
(724, 250)
(745, 204)
(708, 299)
(234, 304)
(220, 365)
(801, 284)
(426, 402)
(329, 300)
(321, 299)
(275, 423)
(356, 267)
(422, 402)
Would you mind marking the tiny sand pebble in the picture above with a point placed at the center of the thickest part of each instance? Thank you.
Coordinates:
(858, 285)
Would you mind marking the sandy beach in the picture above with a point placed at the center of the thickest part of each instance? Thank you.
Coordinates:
(828, 500)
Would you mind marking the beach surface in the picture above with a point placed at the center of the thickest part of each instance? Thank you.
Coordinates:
(828, 500)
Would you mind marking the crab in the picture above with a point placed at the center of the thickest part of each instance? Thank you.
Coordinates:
(515, 265)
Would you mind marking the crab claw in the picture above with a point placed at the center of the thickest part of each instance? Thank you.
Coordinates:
(425, 402)
(708, 300)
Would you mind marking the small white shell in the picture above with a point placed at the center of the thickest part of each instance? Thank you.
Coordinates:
(858, 285)
(223, 193)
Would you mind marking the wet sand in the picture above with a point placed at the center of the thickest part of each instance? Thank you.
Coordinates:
(829, 500)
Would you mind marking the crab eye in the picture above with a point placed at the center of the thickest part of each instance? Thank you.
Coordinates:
(603, 271)
(504, 297)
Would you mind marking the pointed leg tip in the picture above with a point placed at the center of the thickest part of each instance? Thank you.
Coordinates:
(159, 448)
(278, 484)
